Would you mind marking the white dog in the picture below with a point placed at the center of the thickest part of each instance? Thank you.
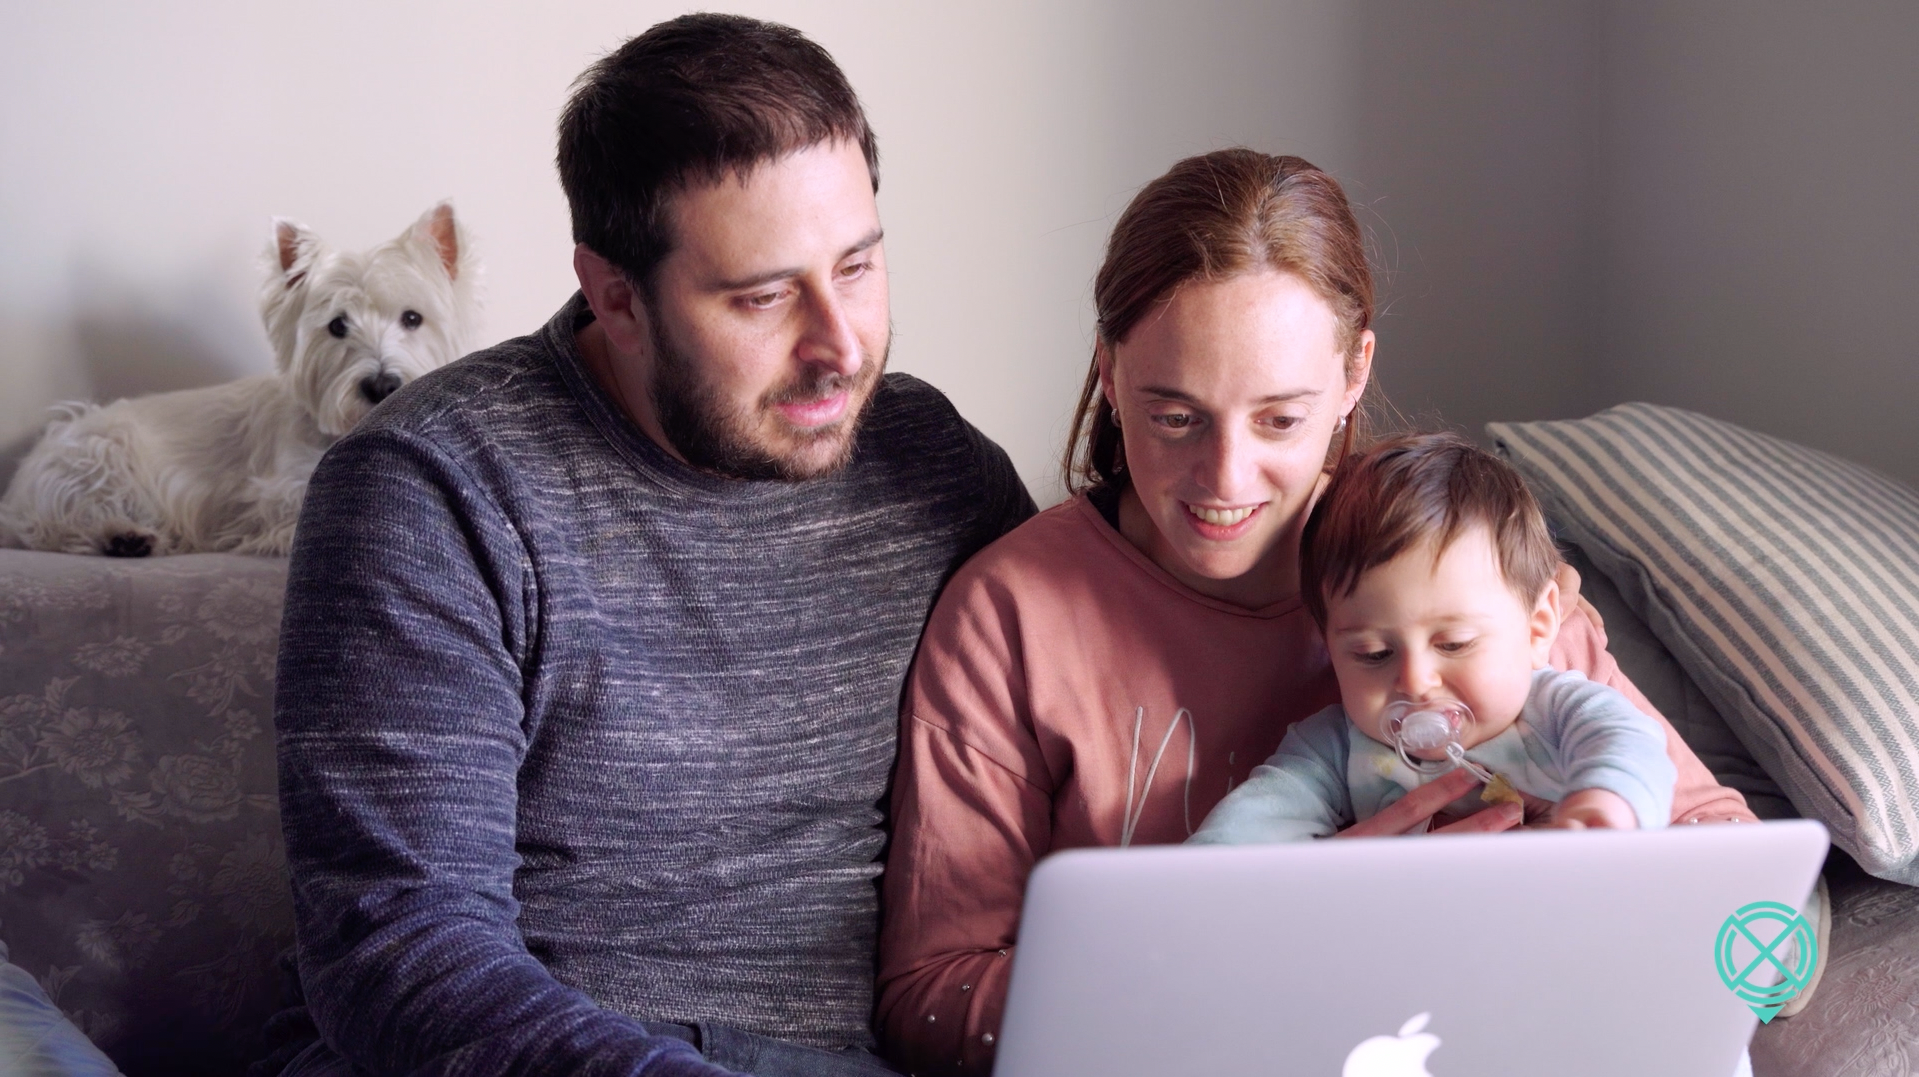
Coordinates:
(226, 467)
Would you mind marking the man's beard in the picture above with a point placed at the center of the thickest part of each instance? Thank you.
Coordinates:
(716, 436)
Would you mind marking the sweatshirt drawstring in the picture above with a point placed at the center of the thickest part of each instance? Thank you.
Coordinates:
(1130, 821)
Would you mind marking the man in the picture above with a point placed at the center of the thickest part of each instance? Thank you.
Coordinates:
(590, 667)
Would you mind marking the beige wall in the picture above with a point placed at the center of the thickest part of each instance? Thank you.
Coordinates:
(147, 146)
(1759, 229)
(1573, 203)
(1476, 173)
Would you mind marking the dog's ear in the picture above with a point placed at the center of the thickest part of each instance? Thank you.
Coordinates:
(437, 228)
(293, 253)
(292, 249)
(439, 237)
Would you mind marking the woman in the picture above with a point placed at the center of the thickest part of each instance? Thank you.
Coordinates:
(1106, 672)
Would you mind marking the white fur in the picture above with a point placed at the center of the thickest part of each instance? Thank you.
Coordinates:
(226, 467)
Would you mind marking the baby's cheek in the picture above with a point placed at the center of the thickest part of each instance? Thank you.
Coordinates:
(1502, 698)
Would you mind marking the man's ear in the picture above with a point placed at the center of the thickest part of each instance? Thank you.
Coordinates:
(616, 303)
(1543, 625)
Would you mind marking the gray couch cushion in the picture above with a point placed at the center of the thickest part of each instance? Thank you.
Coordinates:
(1785, 581)
(141, 871)
(1863, 1019)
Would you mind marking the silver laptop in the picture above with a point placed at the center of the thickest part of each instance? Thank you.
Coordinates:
(1577, 954)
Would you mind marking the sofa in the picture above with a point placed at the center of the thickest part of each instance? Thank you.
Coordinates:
(142, 876)
(142, 873)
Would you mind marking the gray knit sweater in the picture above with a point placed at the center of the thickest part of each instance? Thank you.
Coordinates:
(572, 734)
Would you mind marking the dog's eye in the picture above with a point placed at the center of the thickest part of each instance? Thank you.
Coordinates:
(337, 327)
(410, 319)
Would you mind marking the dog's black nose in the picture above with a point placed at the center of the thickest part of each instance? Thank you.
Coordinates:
(377, 387)
(129, 544)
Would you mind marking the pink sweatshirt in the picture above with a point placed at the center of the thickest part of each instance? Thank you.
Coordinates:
(1059, 665)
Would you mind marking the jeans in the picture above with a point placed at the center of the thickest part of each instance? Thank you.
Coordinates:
(742, 1052)
(762, 1056)
(36, 1039)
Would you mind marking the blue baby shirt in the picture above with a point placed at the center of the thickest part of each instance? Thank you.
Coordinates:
(1572, 734)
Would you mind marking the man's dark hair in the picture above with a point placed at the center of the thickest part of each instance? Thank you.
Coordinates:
(688, 103)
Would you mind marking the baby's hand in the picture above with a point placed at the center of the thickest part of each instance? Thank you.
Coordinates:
(1595, 809)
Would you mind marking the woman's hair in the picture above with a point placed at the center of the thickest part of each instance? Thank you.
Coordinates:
(1211, 218)
(1406, 490)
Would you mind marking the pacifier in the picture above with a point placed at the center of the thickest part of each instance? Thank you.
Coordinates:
(1420, 729)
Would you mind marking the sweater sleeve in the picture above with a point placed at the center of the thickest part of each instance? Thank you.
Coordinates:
(1005, 502)
(1603, 742)
(1697, 795)
(1299, 794)
(972, 813)
(401, 726)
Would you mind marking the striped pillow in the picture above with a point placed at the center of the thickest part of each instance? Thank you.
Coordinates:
(1784, 580)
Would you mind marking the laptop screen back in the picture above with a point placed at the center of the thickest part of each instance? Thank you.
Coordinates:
(1557, 952)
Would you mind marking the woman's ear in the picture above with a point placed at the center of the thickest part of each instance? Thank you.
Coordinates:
(1359, 371)
(1543, 625)
(1103, 359)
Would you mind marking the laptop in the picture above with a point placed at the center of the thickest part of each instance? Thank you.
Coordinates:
(1578, 954)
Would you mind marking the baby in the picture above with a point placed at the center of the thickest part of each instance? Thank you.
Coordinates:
(1427, 565)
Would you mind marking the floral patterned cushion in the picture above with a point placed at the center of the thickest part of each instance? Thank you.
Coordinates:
(142, 878)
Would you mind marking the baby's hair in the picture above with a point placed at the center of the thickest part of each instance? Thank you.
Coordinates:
(1403, 490)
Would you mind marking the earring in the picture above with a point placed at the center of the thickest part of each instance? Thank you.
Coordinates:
(1340, 426)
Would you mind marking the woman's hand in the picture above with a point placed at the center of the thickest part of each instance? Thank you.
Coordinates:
(1423, 803)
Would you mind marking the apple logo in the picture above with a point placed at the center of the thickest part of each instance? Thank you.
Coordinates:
(1403, 1055)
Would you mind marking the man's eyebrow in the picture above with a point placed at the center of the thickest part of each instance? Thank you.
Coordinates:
(866, 242)
(1169, 393)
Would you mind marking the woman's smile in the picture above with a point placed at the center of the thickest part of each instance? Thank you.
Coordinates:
(1221, 524)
